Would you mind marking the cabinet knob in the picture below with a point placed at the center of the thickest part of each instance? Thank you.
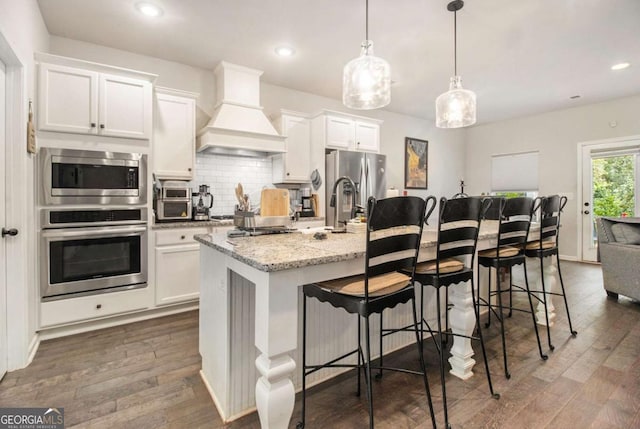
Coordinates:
(358, 143)
(182, 237)
(188, 169)
(98, 307)
(93, 125)
(288, 174)
(102, 126)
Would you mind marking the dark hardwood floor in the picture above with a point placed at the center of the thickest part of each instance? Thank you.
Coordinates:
(145, 375)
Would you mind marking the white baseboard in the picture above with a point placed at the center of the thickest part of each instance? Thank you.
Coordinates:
(569, 258)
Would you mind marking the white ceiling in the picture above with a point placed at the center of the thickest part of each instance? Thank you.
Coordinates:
(520, 57)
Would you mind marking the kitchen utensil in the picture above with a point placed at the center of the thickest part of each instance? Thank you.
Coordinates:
(274, 202)
(240, 196)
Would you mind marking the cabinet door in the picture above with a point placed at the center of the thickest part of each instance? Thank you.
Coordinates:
(340, 132)
(298, 144)
(125, 107)
(177, 273)
(67, 99)
(367, 136)
(174, 137)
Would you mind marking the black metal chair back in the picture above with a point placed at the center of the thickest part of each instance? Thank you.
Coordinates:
(515, 220)
(394, 229)
(458, 228)
(551, 209)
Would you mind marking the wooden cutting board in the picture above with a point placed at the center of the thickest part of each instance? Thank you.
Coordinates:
(274, 202)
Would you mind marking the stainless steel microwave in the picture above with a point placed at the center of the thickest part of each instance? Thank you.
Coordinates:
(72, 176)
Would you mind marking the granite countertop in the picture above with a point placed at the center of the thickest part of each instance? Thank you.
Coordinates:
(216, 222)
(278, 252)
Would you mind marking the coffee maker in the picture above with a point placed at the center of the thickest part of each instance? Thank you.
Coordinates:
(201, 209)
(307, 205)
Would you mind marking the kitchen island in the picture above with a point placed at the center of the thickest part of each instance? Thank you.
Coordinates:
(250, 296)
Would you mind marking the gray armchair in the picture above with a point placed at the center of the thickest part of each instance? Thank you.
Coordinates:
(619, 252)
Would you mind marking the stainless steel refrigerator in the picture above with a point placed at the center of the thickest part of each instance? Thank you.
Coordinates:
(366, 170)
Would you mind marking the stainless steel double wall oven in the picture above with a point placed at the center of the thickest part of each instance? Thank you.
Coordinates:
(93, 222)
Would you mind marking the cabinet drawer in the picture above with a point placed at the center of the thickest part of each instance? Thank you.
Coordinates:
(72, 310)
(178, 236)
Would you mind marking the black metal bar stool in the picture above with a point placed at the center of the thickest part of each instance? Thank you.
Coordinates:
(514, 219)
(394, 229)
(458, 227)
(547, 246)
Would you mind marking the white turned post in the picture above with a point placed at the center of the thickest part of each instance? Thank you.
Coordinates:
(276, 325)
(549, 272)
(275, 394)
(462, 320)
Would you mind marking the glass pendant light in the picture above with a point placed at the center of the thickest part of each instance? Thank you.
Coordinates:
(366, 82)
(457, 107)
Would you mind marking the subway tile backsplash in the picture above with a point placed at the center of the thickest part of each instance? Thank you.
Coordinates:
(223, 172)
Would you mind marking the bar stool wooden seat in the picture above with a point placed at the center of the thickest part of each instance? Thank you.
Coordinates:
(394, 230)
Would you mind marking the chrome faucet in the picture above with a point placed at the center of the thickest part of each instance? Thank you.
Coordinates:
(333, 203)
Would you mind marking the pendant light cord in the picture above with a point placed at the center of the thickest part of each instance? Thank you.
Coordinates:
(366, 20)
(455, 44)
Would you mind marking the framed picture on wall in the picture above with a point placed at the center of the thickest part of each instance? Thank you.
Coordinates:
(415, 163)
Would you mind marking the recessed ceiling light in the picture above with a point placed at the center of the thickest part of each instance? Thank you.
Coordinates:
(285, 51)
(149, 9)
(620, 66)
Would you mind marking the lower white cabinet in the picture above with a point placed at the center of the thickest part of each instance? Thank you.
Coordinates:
(73, 310)
(177, 260)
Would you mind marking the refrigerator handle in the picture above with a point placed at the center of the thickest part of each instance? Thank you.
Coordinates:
(369, 181)
(363, 185)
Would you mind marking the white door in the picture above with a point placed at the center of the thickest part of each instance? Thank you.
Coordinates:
(125, 107)
(610, 180)
(3, 265)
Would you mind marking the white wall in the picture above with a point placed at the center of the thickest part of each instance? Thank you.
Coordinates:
(446, 147)
(556, 136)
(23, 32)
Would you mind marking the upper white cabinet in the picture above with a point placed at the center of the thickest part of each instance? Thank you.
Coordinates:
(124, 107)
(174, 134)
(87, 98)
(348, 132)
(293, 166)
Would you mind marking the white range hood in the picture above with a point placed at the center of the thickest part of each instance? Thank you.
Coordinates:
(239, 126)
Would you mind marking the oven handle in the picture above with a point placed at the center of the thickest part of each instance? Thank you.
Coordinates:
(108, 231)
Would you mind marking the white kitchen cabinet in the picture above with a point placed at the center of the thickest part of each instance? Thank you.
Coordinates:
(74, 310)
(177, 259)
(367, 136)
(95, 100)
(347, 132)
(293, 166)
(341, 132)
(68, 99)
(124, 107)
(174, 134)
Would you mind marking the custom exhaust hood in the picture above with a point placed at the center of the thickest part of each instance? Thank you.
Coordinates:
(238, 125)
